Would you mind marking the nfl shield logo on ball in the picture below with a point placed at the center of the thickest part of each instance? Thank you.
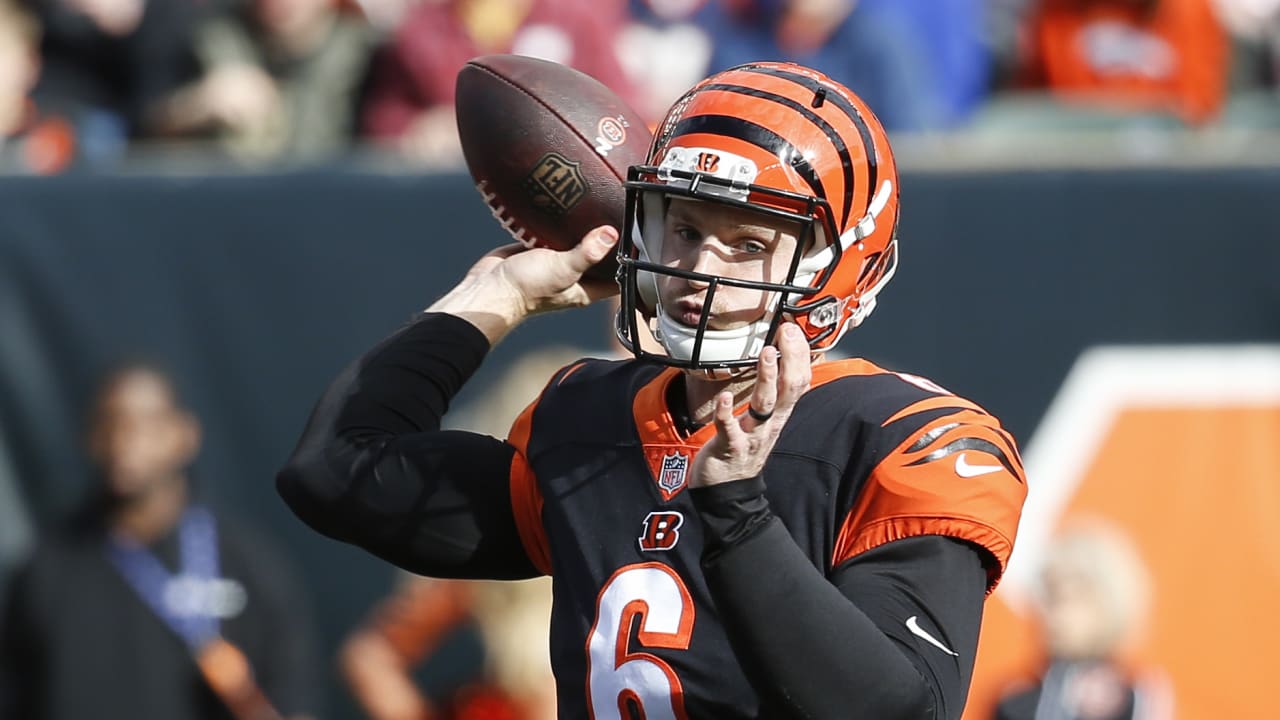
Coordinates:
(671, 477)
(556, 184)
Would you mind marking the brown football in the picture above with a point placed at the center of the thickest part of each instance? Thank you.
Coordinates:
(548, 147)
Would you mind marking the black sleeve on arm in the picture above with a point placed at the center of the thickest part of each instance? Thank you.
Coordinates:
(815, 647)
(374, 469)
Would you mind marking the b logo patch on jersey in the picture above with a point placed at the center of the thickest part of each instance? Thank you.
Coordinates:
(661, 531)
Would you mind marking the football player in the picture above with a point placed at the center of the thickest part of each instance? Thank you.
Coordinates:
(735, 528)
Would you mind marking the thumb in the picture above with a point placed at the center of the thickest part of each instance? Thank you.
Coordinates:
(595, 246)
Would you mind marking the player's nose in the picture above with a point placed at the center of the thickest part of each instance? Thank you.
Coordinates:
(708, 259)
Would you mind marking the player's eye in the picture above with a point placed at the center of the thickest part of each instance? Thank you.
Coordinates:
(752, 246)
(687, 233)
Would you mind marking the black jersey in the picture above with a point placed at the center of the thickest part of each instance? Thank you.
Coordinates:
(867, 457)
(846, 581)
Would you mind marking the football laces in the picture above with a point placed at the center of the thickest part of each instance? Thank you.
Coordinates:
(508, 222)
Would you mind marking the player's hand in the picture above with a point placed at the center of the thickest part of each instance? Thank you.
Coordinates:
(742, 443)
(513, 282)
(547, 280)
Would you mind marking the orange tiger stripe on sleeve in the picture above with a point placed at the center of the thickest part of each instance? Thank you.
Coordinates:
(958, 475)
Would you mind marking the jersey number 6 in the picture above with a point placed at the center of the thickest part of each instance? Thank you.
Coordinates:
(619, 675)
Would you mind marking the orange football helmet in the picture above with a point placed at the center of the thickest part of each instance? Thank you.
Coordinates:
(787, 141)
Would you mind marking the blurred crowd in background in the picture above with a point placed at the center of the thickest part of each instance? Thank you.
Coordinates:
(97, 85)
(430, 649)
(92, 83)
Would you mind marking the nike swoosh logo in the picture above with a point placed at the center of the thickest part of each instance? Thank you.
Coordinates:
(964, 469)
(914, 626)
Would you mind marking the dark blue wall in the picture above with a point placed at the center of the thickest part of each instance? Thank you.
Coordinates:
(258, 289)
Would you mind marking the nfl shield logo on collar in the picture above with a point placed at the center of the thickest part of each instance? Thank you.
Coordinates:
(671, 475)
(669, 465)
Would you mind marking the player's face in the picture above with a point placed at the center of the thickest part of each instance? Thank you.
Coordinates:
(716, 239)
(1078, 623)
(139, 436)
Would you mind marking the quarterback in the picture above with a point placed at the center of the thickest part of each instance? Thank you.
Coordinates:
(736, 526)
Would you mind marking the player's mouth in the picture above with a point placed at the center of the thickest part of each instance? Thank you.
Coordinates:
(688, 313)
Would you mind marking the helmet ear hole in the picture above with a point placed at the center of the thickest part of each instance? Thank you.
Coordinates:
(877, 269)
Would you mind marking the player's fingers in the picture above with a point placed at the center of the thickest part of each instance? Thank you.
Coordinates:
(795, 366)
(764, 397)
(595, 246)
(727, 425)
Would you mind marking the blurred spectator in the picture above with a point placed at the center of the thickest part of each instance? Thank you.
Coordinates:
(1094, 602)
(106, 64)
(378, 659)
(922, 64)
(384, 15)
(1005, 26)
(513, 617)
(1254, 27)
(1155, 56)
(15, 523)
(410, 103)
(148, 605)
(666, 47)
(953, 36)
(281, 78)
(29, 143)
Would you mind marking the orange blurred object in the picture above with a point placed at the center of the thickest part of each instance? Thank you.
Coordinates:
(1161, 55)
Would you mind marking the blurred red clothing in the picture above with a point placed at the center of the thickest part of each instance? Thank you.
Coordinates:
(416, 71)
(1151, 55)
(415, 619)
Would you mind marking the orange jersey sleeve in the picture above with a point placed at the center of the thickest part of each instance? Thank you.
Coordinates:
(958, 475)
(526, 497)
